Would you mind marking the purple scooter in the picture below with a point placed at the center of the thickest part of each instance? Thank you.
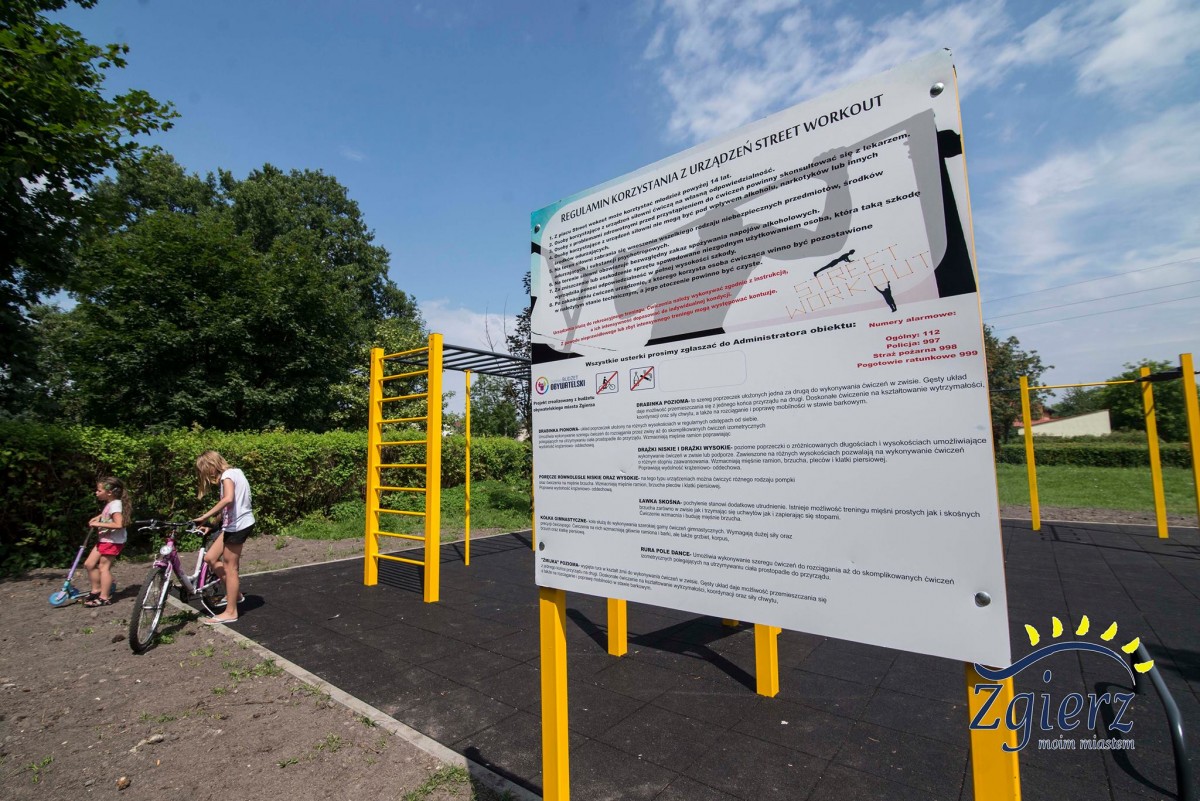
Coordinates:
(69, 592)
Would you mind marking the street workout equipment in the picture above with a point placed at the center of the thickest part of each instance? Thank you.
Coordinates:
(414, 447)
(203, 584)
(1146, 379)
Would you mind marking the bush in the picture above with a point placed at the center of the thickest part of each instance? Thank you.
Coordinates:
(1095, 452)
(49, 477)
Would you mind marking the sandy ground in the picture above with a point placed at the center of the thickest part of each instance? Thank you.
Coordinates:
(205, 714)
(201, 715)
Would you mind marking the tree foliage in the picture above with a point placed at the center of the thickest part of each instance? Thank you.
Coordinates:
(58, 134)
(1006, 363)
(1124, 401)
(232, 304)
(493, 411)
(520, 343)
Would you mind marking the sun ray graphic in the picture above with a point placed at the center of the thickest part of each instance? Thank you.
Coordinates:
(1056, 629)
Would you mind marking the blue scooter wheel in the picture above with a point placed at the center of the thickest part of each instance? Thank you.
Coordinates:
(60, 598)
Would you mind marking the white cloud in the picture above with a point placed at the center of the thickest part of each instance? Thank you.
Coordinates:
(468, 328)
(352, 154)
(724, 64)
(1146, 39)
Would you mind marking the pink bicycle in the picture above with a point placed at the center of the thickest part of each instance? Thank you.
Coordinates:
(202, 584)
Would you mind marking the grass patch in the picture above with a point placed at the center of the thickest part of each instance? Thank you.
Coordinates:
(449, 776)
(494, 505)
(1121, 488)
(332, 743)
(239, 673)
(39, 767)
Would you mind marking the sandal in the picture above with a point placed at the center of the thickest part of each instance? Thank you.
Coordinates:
(92, 603)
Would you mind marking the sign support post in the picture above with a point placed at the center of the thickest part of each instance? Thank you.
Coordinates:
(556, 775)
(995, 768)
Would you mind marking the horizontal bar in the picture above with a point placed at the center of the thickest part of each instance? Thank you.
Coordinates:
(405, 397)
(400, 512)
(1092, 384)
(406, 442)
(424, 349)
(417, 537)
(401, 465)
(420, 562)
(396, 376)
(402, 420)
(401, 489)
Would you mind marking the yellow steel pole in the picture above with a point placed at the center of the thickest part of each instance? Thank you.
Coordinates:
(618, 627)
(467, 487)
(556, 774)
(1193, 418)
(766, 659)
(996, 771)
(1156, 479)
(374, 453)
(433, 472)
(1035, 509)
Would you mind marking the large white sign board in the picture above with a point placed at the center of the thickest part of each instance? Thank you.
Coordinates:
(760, 389)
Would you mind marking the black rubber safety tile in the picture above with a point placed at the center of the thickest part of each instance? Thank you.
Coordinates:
(895, 723)
(665, 738)
(796, 727)
(756, 770)
(906, 758)
(684, 788)
(838, 783)
(600, 772)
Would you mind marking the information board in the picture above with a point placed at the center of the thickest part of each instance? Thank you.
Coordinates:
(759, 381)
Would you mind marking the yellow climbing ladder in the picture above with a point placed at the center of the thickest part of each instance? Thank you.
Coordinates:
(401, 475)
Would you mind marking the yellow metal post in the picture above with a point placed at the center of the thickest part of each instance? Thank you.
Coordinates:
(766, 659)
(1156, 479)
(1193, 418)
(433, 473)
(374, 453)
(618, 627)
(467, 486)
(997, 772)
(731, 623)
(1030, 467)
(552, 614)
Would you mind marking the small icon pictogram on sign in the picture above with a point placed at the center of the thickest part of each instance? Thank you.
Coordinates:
(606, 383)
(641, 378)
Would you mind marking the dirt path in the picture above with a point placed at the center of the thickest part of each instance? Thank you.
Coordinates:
(200, 716)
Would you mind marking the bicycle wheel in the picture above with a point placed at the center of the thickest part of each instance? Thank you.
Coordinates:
(147, 610)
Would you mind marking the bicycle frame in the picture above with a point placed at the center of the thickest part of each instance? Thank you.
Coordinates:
(194, 583)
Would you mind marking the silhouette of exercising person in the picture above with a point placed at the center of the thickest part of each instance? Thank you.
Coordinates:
(887, 293)
(844, 257)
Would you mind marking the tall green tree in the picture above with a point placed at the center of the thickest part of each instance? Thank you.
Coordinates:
(58, 135)
(1127, 411)
(231, 304)
(493, 412)
(520, 343)
(1006, 363)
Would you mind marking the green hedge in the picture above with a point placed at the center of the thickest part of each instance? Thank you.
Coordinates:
(49, 477)
(1095, 453)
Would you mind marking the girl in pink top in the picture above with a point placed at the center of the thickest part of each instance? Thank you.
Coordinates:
(111, 524)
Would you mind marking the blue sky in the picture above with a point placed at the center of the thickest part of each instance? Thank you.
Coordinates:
(450, 121)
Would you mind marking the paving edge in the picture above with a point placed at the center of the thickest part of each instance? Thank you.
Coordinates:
(483, 775)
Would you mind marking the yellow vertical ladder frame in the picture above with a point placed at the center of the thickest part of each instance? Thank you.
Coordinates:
(1156, 479)
(467, 486)
(433, 473)
(552, 619)
(996, 771)
(374, 437)
(1030, 467)
(618, 627)
(766, 659)
(1193, 418)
